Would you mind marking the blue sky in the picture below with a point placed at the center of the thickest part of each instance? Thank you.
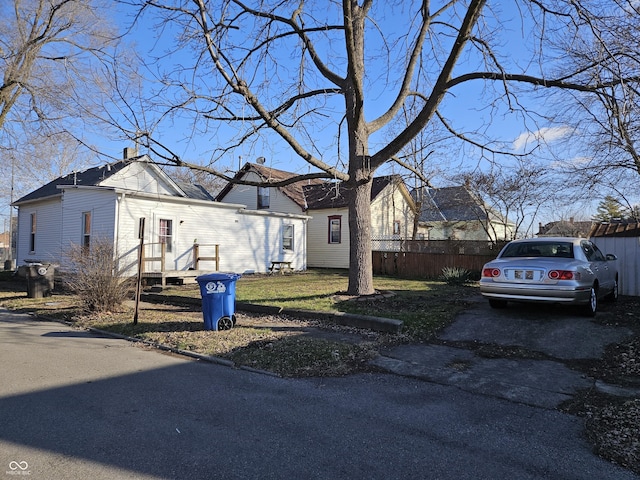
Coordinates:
(465, 108)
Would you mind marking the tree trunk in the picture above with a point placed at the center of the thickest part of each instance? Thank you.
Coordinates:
(360, 261)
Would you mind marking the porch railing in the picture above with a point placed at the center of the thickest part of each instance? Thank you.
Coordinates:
(196, 255)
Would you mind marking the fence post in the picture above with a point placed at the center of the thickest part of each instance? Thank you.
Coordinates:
(196, 256)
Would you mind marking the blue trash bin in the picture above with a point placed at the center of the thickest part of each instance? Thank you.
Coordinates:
(218, 291)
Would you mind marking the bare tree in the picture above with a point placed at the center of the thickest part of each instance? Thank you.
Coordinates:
(49, 52)
(252, 74)
(611, 127)
(511, 196)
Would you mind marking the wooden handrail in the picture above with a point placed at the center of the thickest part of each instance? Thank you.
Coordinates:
(196, 256)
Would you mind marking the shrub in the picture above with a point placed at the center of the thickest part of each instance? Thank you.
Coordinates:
(455, 275)
(94, 276)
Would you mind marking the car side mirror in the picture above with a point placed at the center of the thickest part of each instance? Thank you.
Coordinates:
(611, 256)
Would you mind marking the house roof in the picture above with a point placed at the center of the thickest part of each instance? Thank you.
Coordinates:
(293, 191)
(617, 229)
(95, 176)
(451, 204)
(564, 228)
(334, 194)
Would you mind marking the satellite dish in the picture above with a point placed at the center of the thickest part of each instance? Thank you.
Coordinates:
(261, 160)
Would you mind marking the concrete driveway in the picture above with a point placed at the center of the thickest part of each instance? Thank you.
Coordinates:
(552, 337)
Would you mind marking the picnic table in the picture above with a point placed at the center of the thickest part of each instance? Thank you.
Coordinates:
(280, 266)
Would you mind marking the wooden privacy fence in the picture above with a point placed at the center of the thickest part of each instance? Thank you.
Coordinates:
(425, 265)
(427, 258)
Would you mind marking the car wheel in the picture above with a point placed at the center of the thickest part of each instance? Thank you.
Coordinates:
(613, 296)
(590, 308)
(497, 303)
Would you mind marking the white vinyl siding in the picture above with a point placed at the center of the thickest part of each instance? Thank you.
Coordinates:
(140, 177)
(389, 207)
(248, 195)
(248, 240)
(47, 234)
(320, 252)
(101, 203)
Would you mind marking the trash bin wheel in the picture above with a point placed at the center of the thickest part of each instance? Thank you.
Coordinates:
(233, 319)
(225, 323)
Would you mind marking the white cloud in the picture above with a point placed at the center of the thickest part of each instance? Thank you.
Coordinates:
(544, 135)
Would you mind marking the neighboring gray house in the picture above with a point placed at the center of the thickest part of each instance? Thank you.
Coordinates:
(564, 228)
(454, 213)
(181, 220)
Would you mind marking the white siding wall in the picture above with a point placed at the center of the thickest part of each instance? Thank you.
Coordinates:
(248, 240)
(139, 177)
(390, 206)
(627, 249)
(48, 231)
(320, 252)
(248, 195)
(102, 206)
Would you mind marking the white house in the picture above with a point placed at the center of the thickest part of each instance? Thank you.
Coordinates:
(392, 213)
(326, 205)
(109, 202)
(286, 198)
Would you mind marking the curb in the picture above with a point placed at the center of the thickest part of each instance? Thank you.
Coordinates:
(159, 346)
(380, 324)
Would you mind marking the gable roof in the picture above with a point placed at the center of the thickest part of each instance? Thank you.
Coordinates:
(449, 204)
(94, 176)
(565, 228)
(334, 194)
(293, 191)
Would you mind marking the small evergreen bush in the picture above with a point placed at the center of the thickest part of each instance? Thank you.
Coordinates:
(455, 275)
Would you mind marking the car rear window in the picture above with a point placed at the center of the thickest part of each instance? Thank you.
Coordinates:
(539, 249)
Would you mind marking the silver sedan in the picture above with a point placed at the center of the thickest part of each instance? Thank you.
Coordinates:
(552, 270)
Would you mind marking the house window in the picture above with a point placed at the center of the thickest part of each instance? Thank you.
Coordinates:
(335, 229)
(166, 233)
(396, 227)
(86, 230)
(287, 237)
(32, 235)
(263, 197)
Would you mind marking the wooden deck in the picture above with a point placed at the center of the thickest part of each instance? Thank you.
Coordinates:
(178, 277)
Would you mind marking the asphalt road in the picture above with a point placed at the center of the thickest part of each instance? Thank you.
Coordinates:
(75, 405)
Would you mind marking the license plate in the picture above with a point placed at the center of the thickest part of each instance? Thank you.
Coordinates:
(524, 274)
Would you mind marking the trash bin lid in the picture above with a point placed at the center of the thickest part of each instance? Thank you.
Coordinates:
(218, 276)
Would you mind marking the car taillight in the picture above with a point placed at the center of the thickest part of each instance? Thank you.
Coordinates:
(564, 275)
(490, 272)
